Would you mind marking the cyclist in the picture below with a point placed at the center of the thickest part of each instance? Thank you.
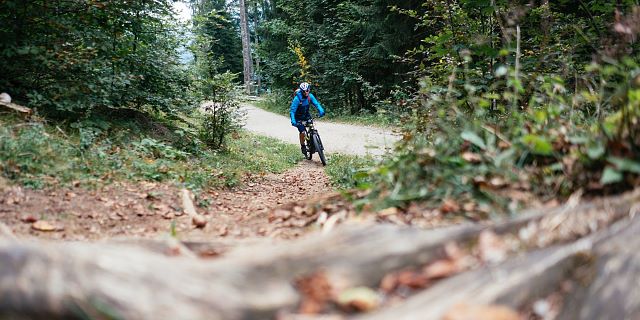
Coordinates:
(299, 111)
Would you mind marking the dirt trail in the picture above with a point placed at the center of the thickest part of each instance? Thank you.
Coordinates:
(336, 137)
(147, 209)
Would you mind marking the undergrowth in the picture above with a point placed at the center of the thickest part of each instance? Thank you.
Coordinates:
(478, 151)
(348, 171)
(93, 152)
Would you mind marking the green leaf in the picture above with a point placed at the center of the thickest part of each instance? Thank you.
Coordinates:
(503, 156)
(579, 139)
(538, 144)
(558, 166)
(625, 164)
(473, 138)
(501, 71)
(595, 151)
(610, 175)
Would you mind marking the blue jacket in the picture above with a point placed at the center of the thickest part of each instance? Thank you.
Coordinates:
(300, 111)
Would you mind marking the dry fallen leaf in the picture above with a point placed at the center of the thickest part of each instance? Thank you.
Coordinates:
(28, 218)
(471, 157)
(486, 312)
(497, 182)
(469, 206)
(360, 299)
(412, 279)
(449, 206)
(440, 269)
(388, 212)
(316, 292)
(46, 226)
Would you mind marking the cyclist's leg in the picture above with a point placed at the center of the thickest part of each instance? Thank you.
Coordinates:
(301, 133)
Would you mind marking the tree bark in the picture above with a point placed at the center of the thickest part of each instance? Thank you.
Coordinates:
(246, 47)
(133, 281)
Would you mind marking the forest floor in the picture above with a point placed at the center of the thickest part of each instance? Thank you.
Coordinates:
(385, 270)
(153, 209)
(148, 209)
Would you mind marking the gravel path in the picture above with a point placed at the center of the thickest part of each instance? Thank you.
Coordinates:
(336, 137)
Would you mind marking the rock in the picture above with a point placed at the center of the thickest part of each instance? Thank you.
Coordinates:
(199, 221)
(5, 97)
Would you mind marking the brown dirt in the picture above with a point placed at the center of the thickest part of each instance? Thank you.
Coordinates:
(148, 209)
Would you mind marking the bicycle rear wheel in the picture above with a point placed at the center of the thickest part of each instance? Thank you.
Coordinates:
(317, 143)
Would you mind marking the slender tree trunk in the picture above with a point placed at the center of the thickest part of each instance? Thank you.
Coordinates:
(257, 70)
(246, 47)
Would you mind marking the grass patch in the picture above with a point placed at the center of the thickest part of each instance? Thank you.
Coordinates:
(348, 172)
(37, 154)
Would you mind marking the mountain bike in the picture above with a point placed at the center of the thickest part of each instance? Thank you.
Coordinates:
(314, 144)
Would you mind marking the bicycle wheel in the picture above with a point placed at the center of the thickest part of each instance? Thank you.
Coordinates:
(309, 153)
(317, 143)
(310, 150)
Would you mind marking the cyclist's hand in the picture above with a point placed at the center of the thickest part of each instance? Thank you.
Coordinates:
(321, 114)
(294, 123)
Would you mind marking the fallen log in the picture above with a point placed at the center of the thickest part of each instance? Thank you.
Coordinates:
(62, 279)
(67, 280)
(17, 107)
(525, 279)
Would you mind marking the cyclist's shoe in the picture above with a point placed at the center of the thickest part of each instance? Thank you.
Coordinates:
(304, 149)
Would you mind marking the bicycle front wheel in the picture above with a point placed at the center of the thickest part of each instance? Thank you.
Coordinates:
(317, 143)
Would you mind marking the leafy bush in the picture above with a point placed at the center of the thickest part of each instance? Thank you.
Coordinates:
(483, 146)
(277, 101)
(222, 112)
(348, 172)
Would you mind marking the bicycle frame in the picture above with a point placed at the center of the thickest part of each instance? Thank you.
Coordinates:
(310, 130)
(313, 142)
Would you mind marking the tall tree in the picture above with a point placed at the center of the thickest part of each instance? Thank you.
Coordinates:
(246, 47)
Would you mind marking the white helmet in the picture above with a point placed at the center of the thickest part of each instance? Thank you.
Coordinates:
(304, 86)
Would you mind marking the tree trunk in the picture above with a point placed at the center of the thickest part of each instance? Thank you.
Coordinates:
(257, 57)
(593, 245)
(246, 47)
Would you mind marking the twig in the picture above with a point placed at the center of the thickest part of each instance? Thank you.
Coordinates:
(198, 220)
(497, 134)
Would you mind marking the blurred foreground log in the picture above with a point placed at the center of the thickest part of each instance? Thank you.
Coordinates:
(594, 242)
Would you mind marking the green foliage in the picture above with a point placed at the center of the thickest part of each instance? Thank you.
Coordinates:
(218, 37)
(278, 102)
(72, 57)
(349, 172)
(461, 145)
(223, 116)
(39, 155)
(351, 48)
